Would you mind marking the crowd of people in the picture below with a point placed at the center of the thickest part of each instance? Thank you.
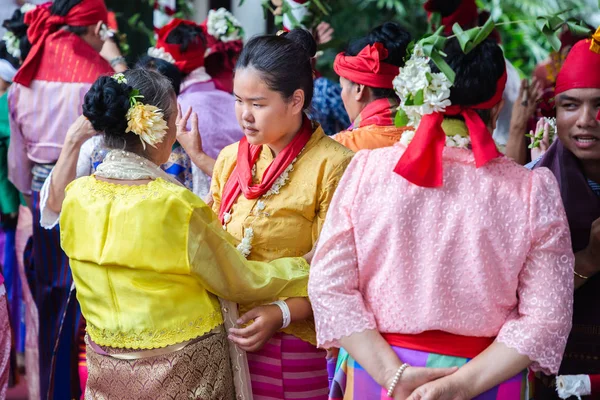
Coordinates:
(218, 221)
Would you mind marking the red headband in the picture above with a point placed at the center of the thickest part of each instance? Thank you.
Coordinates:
(42, 23)
(421, 163)
(367, 67)
(465, 15)
(193, 57)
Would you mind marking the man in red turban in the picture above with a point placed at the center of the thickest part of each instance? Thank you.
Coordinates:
(575, 161)
(66, 39)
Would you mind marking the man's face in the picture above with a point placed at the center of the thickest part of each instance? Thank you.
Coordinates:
(576, 123)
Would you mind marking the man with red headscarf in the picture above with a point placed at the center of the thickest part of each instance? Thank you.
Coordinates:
(575, 161)
(64, 60)
(184, 43)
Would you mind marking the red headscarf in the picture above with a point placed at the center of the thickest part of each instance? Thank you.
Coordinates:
(581, 68)
(240, 180)
(465, 15)
(193, 57)
(421, 163)
(220, 60)
(367, 67)
(42, 23)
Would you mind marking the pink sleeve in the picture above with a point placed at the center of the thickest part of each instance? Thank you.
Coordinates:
(541, 325)
(19, 165)
(333, 287)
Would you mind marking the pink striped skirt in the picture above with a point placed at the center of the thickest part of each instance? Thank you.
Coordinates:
(288, 368)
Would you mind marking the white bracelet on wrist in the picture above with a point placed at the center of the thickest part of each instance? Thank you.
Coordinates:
(285, 310)
(396, 379)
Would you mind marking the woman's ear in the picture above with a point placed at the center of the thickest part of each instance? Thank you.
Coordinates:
(495, 114)
(297, 101)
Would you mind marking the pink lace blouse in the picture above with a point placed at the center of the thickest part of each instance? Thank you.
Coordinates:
(488, 254)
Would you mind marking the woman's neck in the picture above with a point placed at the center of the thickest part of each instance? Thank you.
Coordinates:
(591, 169)
(277, 146)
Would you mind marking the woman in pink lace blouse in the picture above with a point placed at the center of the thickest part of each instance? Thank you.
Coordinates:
(452, 257)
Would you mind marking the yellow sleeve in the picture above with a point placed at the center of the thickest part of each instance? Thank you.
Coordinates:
(216, 186)
(326, 195)
(215, 260)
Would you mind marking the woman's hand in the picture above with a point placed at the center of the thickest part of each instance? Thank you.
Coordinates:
(415, 377)
(446, 388)
(266, 321)
(190, 140)
(538, 151)
(80, 131)
(324, 33)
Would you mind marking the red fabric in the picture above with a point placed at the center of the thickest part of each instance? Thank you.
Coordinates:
(42, 24)
(580, 69)
(68, 58)
(240, 180)
(367, 67)
(465, 15)
(112, 21)
(440, 342)
(193, 57)
(421, 163)
(595, 380)
(220, 61)
(380, 112)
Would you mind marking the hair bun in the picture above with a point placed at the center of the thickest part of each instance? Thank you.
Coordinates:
(106, 105)
(303, 38)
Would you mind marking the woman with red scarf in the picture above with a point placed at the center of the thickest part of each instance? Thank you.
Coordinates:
(367, 70)
(443, 253)
(272, 191)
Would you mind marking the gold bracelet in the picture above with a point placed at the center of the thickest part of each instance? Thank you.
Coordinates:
(577, 274)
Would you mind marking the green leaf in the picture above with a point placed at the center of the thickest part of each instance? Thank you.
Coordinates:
(579, 29)
(483, 32)
(409, 101)
(420, 98)
(321, 7)
(464, 38)
(401, 118)
(435, 21)
(553, 39)
(443, 66)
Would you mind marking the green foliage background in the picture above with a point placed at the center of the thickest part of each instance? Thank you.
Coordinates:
(523, 43)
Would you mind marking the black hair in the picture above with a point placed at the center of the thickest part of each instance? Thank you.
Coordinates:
(6, 56)
(107, 102)
(16, 25)
(164, 68)
(477, 73)
(62, 8)
(445, 7)
(186, 35)
(395, 39)
(283, 61)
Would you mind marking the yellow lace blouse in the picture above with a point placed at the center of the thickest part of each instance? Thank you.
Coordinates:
(148, 260)
(290, 222)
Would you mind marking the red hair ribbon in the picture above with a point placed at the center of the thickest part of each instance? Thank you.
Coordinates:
(421, 163)
(42, 23)
(367, 67)
(193, 57)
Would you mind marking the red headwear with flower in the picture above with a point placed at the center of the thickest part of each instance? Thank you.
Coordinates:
(193, 57)
(421, 163)
(465, 15)
(42, 23)
(221, 58)
(582, 66)
(367, 67)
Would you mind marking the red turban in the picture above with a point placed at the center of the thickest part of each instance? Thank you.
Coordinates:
(221, 58)
(193, 57)
(42, 23)
(465, 15)
(421, 163)
(367, 67)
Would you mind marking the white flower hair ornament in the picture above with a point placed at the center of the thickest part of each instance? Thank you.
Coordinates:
(25, 8)
(144, 120)
(223, 26)
(161, 54)
(13, 44)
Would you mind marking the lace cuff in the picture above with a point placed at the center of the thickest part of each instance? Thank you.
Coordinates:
(573, 385)
(48, 218)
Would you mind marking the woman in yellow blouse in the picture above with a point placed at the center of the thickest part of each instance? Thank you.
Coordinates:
(148, 257)
(272, 191)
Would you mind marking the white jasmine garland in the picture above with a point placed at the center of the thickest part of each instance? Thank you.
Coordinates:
(25, 8)
(461, 142)
(161, 54)
(12, 44)
(421, 91)
(245, 246)
(222, 25)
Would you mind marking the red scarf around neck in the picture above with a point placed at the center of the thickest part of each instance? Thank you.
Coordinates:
(240, 180)
(380, 112)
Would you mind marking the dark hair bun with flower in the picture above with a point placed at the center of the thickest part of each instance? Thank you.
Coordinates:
(106, 105)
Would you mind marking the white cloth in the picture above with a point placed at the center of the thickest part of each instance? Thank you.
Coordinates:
(511, 93)
(7, 71)
(573, 385)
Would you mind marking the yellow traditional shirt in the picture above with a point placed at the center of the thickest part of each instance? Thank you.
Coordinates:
(286, 224)
(148, 262)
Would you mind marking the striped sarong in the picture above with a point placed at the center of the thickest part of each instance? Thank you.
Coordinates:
(288, 368)
(351, 381)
